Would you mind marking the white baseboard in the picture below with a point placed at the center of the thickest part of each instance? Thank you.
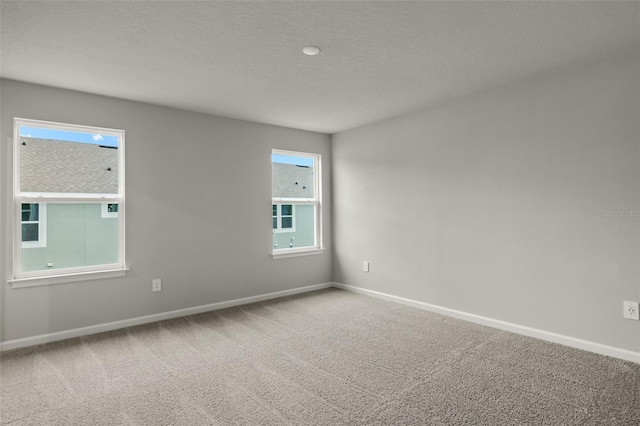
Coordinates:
(586, 345)
(598, 348)
(99, 328)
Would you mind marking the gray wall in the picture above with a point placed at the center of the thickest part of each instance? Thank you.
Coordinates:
(496, 204)
(198, 201)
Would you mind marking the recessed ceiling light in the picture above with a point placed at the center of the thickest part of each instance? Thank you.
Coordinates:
(311, 50)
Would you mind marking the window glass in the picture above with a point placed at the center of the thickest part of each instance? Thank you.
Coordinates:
(293, 176)
(30, 232)
(30, 212)
(77, 237)
(67, 162)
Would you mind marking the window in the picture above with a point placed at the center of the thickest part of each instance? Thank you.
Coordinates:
(109, 210)
(69, 199)
(34, 225)
(283, 218)
(296, 203)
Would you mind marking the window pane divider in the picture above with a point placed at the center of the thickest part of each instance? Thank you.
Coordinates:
(23, 199)
(58, 195)
(294, 201)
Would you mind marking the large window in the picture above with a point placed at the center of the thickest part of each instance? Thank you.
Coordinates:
(296, 203)
(68, 198)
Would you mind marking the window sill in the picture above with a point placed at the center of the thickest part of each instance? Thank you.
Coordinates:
(284, 253)
(66, 278)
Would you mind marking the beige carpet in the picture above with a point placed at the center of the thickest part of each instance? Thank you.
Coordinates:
(324, 358)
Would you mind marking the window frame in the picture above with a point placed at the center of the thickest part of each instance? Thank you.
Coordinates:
(316, 201)
(42, 227)
(51, 276)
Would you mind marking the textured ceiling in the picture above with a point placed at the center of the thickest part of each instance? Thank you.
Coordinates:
(244, 59)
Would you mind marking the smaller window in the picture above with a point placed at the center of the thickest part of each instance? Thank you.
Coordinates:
(283, 218)
(296, 203)
(33, 232)
(109, 210)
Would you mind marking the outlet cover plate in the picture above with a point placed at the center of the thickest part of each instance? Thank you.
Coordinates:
(630, 310)
(156, 285)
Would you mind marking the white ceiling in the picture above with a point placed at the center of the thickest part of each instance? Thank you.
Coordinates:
(244, 59)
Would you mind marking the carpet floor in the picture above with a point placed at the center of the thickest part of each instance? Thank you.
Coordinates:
(329, 357)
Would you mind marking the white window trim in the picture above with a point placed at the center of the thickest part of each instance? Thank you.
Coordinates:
(106, 214)
(52, 276)
(317, 248)
(296, 252)
(42, 228)
(279, 229)
(67, 278)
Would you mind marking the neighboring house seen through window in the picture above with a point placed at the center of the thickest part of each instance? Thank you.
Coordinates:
(68, 198)
(296, 203)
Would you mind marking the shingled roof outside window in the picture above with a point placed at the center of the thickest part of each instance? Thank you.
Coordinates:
(53, 166)
(291, 181)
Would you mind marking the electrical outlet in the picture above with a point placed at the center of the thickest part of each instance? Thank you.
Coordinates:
(156, 285)
(630, 310)
(365, 266)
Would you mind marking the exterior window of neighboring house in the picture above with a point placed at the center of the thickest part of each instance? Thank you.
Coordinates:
(69, 202)
(296, 203)
(283, 218)
(109, 210)
(34, 225)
